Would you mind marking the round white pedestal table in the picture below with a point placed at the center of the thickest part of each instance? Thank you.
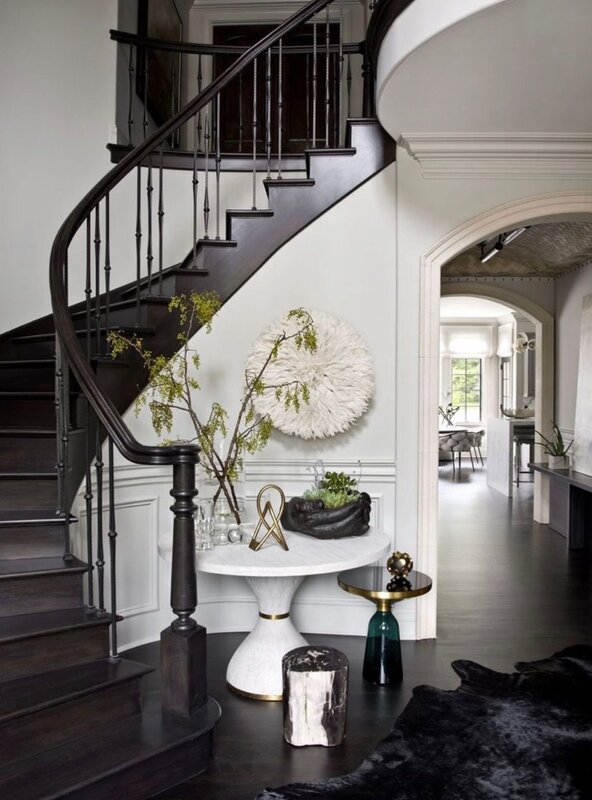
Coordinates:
(274, 574)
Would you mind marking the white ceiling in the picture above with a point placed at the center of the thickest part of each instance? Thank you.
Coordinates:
(463, 307)
(520, 65)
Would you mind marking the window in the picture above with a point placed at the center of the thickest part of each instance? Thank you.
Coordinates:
(506, 383)
(466, 388)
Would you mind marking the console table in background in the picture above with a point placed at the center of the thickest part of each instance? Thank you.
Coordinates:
(570, 504)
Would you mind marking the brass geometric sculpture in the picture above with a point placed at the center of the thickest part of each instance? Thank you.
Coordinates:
(399, 564)
(274, 529)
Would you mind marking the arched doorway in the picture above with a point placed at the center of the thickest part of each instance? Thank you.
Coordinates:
(527, 211)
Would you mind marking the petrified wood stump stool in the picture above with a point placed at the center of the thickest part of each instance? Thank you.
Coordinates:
(315, 696)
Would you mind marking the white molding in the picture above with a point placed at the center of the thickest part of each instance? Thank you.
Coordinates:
(501, 155)
(535, 209)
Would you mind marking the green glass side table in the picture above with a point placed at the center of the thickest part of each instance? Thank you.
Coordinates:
(382, 660)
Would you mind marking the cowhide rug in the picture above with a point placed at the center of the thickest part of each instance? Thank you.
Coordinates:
(524, 736)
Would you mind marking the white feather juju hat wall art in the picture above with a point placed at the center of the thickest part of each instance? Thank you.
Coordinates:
(339, 375)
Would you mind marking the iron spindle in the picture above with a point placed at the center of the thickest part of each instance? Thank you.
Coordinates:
(107, 262)
(138, 240)
(268, 111)
(88, 498)
(218, 165)
(112, 553)
(100, 562)
(130, 111)
(160, 220)
(62, 417)
(254, 127)
(314, 83)
(206, 208)
(194, 186)
(335, 100)
(145, 112)
(341, 137)
(87, 287)
(307, 81)
(327, 81)
(240, 112)
(199, 82)
(280, 109)
(97, 243)
(349, 85)
(149, 256)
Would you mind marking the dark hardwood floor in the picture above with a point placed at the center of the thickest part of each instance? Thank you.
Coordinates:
(508, 591)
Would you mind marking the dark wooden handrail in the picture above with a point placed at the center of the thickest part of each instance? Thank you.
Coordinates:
(106, 411)
(384, 14)
(195, 48)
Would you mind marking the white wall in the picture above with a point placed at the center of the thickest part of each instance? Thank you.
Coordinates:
(332, 267)
(570, 289)
(57, 82)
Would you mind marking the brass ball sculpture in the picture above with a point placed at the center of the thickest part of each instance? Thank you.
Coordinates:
(399, 565)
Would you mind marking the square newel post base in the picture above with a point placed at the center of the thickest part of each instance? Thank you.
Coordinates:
(382, 661)
(183, 668)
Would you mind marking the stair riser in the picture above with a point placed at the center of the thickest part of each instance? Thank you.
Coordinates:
(34, 379)
(142, 780)
(34, 541)
(45, 348)
(52, 726)
(31, 594)
(64, 649)
(27, 412)
(30, 493)
(150, 314)
(27, 454)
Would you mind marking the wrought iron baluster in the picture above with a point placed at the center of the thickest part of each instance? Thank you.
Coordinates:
(199, 82)
(107, 262)
(88, 287)
(335, 100)
(206, 207)
(268, 111)
(194, 187)
(160, 220)
(112, 534)
(218, 165)
(149, 256)
(130, 108)
(280, 110)
(307, 81)
(145, 112)
(341, 137)
(62, 422)
(254, 129)
(88, 498)
(138, 239)
(348, 81)
(97, 243)
(327, 77)
(240, 112)
(314, 83)
(100, 562)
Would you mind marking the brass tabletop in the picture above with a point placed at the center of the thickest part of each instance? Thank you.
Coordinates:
(371, 583)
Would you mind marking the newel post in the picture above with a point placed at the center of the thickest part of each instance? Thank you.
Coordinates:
(183, 645)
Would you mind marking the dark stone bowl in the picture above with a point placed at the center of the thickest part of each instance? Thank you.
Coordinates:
(311, 517)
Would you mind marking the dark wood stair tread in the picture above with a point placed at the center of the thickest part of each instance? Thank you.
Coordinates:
(249, 212)
(25, 626)
(28, 363)
(216, 242)
(27, 394)
(331, 151)
(23, 516)
(27, 431)
(73, 768)
(29, 694)
(289, 182)
(143, 330)
(17, 568)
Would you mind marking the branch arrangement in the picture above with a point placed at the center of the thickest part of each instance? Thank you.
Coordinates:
(173, 387)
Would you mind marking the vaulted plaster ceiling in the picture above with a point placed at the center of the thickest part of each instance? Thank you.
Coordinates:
(543, 250)
(466, 307)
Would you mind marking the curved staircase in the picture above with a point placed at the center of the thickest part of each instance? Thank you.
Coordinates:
(73, 718)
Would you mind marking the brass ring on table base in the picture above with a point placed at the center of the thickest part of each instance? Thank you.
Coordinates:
(251, 696)
(274, 616)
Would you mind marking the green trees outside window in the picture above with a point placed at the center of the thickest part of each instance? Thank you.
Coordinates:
(466, 388)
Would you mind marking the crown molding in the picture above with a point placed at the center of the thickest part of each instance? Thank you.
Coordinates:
(501, 155)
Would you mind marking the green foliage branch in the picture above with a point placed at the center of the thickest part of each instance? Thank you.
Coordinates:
(555, 446)
(173, 385)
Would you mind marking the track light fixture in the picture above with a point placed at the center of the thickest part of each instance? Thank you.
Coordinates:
(489, 250)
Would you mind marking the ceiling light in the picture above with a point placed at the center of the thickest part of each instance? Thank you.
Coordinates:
(509, 237)
(493, 251)
(502, 240)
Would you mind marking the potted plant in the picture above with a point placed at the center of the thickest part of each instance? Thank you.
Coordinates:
(331, 509)
(555, 449)
(173, 387)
